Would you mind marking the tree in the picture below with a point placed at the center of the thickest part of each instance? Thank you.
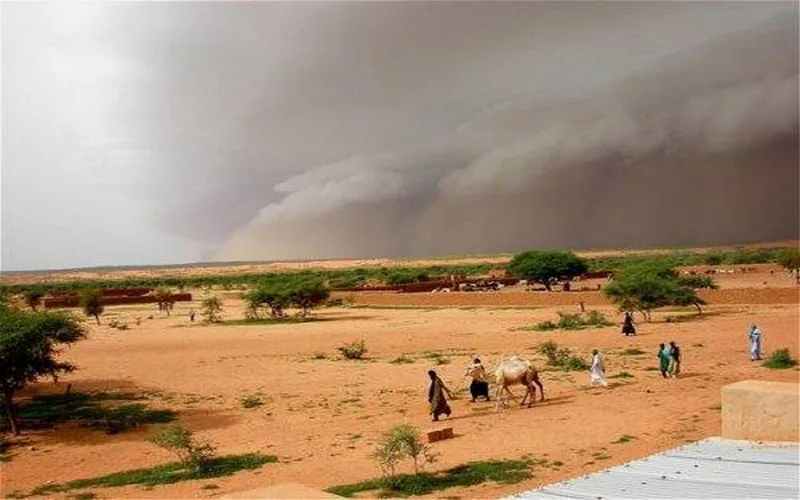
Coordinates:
(272, 293)
(546, 267)
(33, 297)
(307, 293)
(790, 260)
(29, 343)
(164, 298)
(91, 302)
(649, 285)
(212, 309)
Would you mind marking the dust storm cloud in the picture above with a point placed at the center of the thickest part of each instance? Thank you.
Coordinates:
(232, 131)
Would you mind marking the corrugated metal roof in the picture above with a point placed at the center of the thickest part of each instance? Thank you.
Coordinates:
(712, 468)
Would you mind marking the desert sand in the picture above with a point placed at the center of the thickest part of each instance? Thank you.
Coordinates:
(322, 417)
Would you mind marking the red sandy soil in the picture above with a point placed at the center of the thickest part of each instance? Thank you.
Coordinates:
(322, 417)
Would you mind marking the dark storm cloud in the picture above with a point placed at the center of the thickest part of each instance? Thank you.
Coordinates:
(269, 130)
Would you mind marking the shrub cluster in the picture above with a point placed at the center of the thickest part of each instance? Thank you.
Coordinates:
(569, 321)
(562, 357)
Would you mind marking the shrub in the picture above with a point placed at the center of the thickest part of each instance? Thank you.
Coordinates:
(181, 442)
(402, 441)
(251, 401)
(402, 360)
(546, 267)
(562, 357)
(90, 301)
(211, 309)
(569, 321)
(780, 359)
(354, 350)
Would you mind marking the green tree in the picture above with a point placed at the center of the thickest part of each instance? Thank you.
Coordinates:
(33, 297)
(272, 293)
(164, 299)
(307, 293)
(547, 267)
(29, 343)
(92, 303)
(212, 309)
(790, 260)
(649, 285)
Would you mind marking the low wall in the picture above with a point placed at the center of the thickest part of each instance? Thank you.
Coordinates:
(764, 411)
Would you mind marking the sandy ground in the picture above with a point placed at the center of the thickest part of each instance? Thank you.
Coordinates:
(323, 416)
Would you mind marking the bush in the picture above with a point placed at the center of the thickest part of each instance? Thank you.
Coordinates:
(569, 321)
(780, 360)
(562, 357)
(402, 441)
(251, 401)
(211, 309)
(354, 350)
(546, 267)
(179, 440)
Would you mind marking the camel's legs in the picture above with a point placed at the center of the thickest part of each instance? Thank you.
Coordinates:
(499, 397)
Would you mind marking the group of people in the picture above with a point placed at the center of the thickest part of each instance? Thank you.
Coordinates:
(669, 360)
(438, 391)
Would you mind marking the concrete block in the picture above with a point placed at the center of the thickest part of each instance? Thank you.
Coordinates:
(763, 411)
(440, 434)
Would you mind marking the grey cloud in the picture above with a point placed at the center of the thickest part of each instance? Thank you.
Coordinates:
(291, 130)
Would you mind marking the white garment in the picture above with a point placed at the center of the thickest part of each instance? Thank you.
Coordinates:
(598, 371)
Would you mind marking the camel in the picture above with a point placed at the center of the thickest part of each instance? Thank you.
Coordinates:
(513, 371)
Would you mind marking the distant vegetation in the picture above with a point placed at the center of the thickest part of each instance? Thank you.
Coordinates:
(357, 277)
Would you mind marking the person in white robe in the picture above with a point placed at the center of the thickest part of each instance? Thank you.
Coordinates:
(598, 371)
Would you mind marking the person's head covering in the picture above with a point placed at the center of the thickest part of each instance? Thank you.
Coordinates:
(477, 361)
(595, 351)
(431, 374)
(672, 343)
(753, 327)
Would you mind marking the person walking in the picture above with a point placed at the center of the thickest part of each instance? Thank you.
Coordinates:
(756, 338)
(627, 324)
(675, 354)
(436, 392)
(479, 387)
(597, 373)
(664, 359)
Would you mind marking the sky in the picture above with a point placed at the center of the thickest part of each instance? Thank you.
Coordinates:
(153, 133)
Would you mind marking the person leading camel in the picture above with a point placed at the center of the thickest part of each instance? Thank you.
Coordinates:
(436, 396)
